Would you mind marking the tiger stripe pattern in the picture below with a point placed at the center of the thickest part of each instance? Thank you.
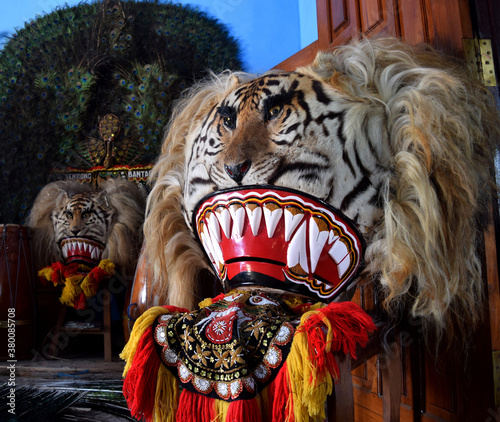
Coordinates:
(83, 215)
(290, 130)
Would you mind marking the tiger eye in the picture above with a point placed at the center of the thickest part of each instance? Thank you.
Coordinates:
(273, 112)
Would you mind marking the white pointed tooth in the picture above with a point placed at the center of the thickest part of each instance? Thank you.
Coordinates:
(238, 215)
(272, 215)
(224, 220)
(332, 237)
(297, 253)
(214, 227)
(254, 213)
(293, 216)
(85, 246)
(65, 251)
(318, 235)
(343, 266)
(80, 246)
(338, 251)
(95, 253)
(215, 243)
(205, 239)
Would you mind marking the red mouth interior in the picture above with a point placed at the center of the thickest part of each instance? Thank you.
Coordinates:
(81, 249)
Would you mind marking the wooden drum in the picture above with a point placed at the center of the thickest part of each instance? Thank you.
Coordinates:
(17, 293)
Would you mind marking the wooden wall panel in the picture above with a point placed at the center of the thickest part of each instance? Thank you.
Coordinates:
(377, 16)
(415, 23)
(449, 390)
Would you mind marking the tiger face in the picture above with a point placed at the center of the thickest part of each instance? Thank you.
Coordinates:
(81, 224)
(290, 130)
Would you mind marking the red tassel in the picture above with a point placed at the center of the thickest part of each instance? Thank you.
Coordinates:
(140, 383)
(175, 309)
(349, 324)
(195, 408)
(244, 411)
(280, 400)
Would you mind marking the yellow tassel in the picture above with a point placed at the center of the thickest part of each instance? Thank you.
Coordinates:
(92, 280)
(295, 364)
(140, 326)
(108, 266)
(221, 408)
(71, 290)
(310, 393)
(166, 397)
(89, 286)
(46, 273)
(204, 303)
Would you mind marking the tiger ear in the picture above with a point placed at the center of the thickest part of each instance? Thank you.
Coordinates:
(103, 200)
(61, 197)
(234, 81)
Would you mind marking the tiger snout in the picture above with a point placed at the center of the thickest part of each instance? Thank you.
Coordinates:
(238, 171)
(77, 224)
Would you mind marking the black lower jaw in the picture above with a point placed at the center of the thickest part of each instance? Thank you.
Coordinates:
(254, 279)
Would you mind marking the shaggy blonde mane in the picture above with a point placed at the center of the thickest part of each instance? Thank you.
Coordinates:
(443, 133)
(169, 246)
(124, 238)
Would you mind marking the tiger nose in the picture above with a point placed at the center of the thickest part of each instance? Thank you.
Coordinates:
(238, 171)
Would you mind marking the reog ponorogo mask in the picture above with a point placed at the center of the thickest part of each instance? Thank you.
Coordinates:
(277, 177)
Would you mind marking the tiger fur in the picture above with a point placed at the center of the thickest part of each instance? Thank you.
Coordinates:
(398, 138)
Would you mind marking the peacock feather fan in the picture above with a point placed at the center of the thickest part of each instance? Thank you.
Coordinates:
(64, 72)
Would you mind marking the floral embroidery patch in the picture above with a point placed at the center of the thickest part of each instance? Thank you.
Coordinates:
(228, 350)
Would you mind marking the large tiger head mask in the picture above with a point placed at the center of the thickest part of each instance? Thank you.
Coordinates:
(74, 222)
(397, 139)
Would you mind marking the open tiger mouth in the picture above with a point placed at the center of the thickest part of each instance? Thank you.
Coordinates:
(278, 238)
(81, 249)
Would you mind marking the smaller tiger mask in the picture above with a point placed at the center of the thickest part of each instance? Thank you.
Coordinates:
(73, 222)
(81, 226)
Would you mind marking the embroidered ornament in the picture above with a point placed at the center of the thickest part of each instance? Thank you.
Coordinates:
(229, 350)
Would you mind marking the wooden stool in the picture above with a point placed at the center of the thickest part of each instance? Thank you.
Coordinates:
(105, 330)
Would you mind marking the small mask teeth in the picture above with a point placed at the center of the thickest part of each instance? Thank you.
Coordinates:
(318, 235)
(254, 213)
(238, 215)
(65, 251)
(297, 252)
(332, 237)
(210, 241)
(207, 242)
(306, 238)
(224, 220)
(293, 216)
(339, 253)
(214, 226)
(272, 215)
(79, 247)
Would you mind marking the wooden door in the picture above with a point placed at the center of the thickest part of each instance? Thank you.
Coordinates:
(454, 387)
(440, 22)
